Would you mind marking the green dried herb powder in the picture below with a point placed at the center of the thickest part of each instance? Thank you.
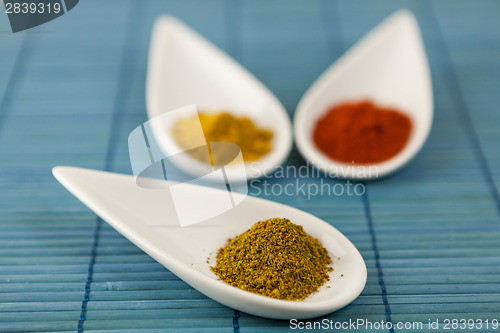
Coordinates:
(274, 258)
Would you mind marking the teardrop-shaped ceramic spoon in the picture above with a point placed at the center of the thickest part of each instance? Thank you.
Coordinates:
(184, 68)
(147, 218)
(389, 67)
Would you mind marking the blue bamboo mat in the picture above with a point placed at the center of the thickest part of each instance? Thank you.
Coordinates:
(73, 89)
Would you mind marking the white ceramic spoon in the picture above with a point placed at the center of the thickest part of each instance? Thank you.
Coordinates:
(388, 66)
(147, 218)
(184, 69)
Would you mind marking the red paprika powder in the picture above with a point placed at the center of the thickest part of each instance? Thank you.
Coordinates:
(362, 133)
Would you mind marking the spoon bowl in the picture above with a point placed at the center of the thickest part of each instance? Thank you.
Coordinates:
(184, 68)
(148, 219)
(389, 67)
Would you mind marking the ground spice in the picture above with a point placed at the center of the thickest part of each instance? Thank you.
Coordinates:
(274, 258)
(224, 127)
(362, 133)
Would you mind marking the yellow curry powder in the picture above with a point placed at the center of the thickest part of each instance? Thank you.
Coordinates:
(224, 127)
(274, 258)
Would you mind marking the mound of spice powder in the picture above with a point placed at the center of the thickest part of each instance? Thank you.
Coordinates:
(274, 258)
(224, 127)
(362, 133)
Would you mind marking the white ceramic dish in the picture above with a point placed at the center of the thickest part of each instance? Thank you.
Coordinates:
(147, 218)
(184, 68)
(389, 67)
